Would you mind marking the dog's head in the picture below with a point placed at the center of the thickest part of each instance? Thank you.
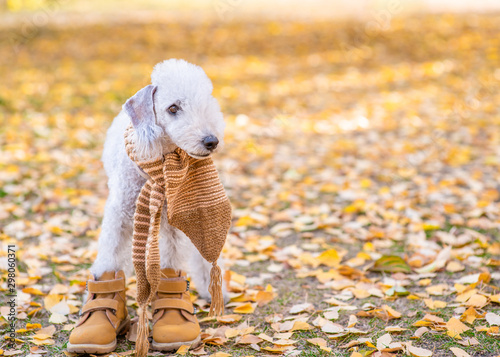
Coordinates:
(177, 109)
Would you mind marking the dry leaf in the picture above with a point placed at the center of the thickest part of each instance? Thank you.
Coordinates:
(455, 327)
(492, 318)
(57, 318)
(249, 339)
(247, 308)
(459, 352)
(301, 308)
(329, 258)
(229, 319)
(420, 331)
(419, 352)
(183, 350)
(477, 300)
(454, 267)
(391, 264)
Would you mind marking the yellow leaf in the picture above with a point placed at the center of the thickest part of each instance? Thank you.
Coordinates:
(329, 258)
(424, 282)
(301, 325)
(391, 312)
(422, 323)
(183, 350)
(50, 301)
(395, 329)
(477, 300)
(365, 183)
(264, 297)
(434, 304)
(276, 349)
(245, 221)
(32, 291)
(56, 230)
(30, 326)
(238, 278)
(391, 264)
(470, 315)
(455, 327)
(437, 289)
(454, 267)
(220, 354)
(231, 332)
(247, 308)
(317, 341)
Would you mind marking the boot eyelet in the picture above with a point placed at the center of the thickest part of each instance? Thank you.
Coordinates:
(188, 284)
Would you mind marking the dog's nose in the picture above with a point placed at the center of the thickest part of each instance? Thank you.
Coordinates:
(210, 142)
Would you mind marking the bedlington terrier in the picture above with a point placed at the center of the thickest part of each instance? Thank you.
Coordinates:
(187, 116)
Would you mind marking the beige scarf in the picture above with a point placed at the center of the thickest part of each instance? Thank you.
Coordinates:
(197, 205)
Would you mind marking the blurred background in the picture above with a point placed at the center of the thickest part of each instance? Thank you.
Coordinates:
(347, 122)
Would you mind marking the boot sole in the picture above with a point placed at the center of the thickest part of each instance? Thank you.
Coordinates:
(95, 348)
(157, 346)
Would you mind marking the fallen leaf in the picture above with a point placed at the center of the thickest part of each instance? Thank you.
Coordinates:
(492, 318)
(295, 309)
(329, 258)
(459, 352)
(454, 267)
(247, 308)
(455, 327)
(57, 318)
(419, 332)
(183, 350)
(391, 264)
(434, 304)
(477, 300)
(438, 263)
(248, 339)
(229, 319)
(419, 352)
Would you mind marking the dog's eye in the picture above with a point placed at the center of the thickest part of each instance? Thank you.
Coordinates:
(173, 109)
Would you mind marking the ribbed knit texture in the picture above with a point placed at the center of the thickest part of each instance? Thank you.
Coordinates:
(197, 205)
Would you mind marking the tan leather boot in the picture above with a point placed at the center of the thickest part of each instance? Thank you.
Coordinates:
(103, 317)
(174, 321)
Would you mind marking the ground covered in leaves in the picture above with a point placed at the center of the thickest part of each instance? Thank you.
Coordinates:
(362, 164)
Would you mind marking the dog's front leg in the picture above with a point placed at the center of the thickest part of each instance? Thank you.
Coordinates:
(115, 240)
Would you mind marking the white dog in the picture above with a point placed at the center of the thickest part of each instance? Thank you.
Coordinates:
(186, 116)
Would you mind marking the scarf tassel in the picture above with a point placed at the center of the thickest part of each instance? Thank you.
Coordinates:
(215, 288)
(142, 343)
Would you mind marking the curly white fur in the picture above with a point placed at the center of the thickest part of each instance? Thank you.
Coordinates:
(186, 85)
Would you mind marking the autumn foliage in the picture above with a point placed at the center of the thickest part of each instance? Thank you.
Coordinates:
(363, 169)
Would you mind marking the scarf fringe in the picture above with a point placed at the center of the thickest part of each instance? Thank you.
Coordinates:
(142, 343)
(215, 288)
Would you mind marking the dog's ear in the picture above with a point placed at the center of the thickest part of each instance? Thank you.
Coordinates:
(141, 110)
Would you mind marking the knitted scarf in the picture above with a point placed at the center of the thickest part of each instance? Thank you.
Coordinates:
(197, 205)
